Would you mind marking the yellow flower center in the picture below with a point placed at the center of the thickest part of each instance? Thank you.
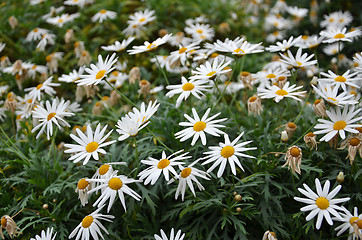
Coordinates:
(339, 36)
(199, 126)
(238, 50)
(339, 125)
(91, 147)
(151, 46)
(163, 163)
(39, 86)
(295, 152)
(252, 99)
(333, 99)
(33, 67)
(103, 169)
(270, 75)
(211, 73)
(214, 55)
(142, 19)
(103, 11)
(199, 31)
(281, 78)
(305, 37)
(115, 183)
(291, 125)
(87, 221)
(340, 79)
(188, 87)
(50, 116)
(60, 20)
(227, 151)
(299, 63)
(354, 142)
(352, 219)
(322, 203)
(310, 134)
(281, 92)
(100, 74)
(3, 222)
(82, 184)
(185, 172)
(182, 50)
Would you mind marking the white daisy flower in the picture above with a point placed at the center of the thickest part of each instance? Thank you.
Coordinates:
(357, 59)
(200, 31)
(186, 88)
(276, 35)
(36, 34)
(2, 46)
(142, 17)
(59, 21)
(113, 186)
(99, 71)
(79, 3)
(347, 78)
(341, 122)
(299, 60)
(144, 114)
(284, 45)
(46, 39)
(104, 172)
(72, 76)
(227, 152)
(149, 46)
(128, 127)
(186, 177)
(103, 15)
(197, 127)
(134, 30)
(273, 91)
(238, 47)
(347, 218)
(91, 226)
(53, 113)
(336, 34)
(88, 145)
(330, 94)
(333, 49)
(321, 203)
(117, 46)
(178, 235)
(163, 165)
(208, 72)
(45, 235)
(183, 53)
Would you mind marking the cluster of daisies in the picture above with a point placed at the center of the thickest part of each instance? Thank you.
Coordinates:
(206, 67)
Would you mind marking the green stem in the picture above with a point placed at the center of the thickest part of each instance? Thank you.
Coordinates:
(158, 140)
(17, 150)
(305, 103)
(136, 157)
(122, 95)
(162, 70)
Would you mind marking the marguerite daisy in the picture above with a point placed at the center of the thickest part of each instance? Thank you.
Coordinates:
(341, 122)
(178, 235)
(341, 80)
(117, 46)
(321, 203)
(88, 145)
(207, 71)
(330, 94)
(47, 86)
(348, 219)
(45, 235)
(197, 127)
(113, 186)
(193, 86)
(334, 35)
(299, 60)
(99, 71)
(149, 46)
(273, 91)
(227, 152)
(90, 226)
(183, 53)
(103, 15)
(53, 113)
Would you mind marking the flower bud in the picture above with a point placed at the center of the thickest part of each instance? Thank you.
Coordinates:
(238, 198)
(340, 177)
(284, 136)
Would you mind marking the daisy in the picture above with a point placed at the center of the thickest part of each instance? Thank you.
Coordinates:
(144, 114)
(347, 218)
(341, 80)
(186, 177)
(111, 187)
(299, 60)
(47, 86)
(197, 127)
(88, 145)
(333, 49)
(163, 165)
(104, 172)
(149, 46)
(330, 94)
(36, 34)
(46, 39)
(357, 59)
(186, 88)
(296, 12)
(276, 35)
(33, 69)
(238, 47)
(227, 152)
(178, 235)
(134, 30)
(45, 235)
(334, 35)
(72, 76)
(273, 91)
(321, 203)
(183, 53)
(142, 17)
(103, 15)
(341, 122)
(79, 3)
(53, 113)
(284, 45)
(128, 127)
(117, 46)
(91, 226)
(200, 31)
(2, 46)
(59, 21)
(207, 71)
(99, 71)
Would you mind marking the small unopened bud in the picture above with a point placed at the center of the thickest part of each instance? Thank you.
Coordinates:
(238, 198)
(284, 136)
(340, 177)
(45, 206)
(234, 193)
(54, 200)
(162, 32)
(224, 28)
(238, 209)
